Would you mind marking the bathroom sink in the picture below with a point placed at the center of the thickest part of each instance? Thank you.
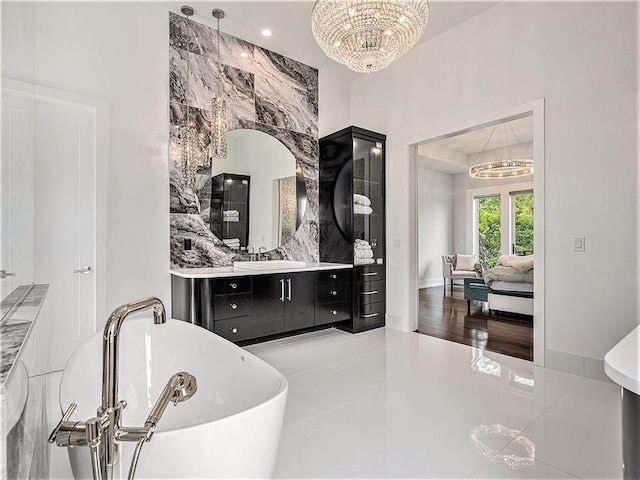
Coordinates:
(269, 265)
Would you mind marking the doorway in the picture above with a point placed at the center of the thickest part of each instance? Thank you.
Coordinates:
(489, 219)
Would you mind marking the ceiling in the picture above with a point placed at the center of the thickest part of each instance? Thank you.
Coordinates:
(473, 142)
(290, 22)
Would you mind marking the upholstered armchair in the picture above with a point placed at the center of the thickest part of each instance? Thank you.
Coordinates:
(459, 266)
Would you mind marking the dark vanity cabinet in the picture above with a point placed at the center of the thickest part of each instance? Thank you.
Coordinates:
(229, 213)
(352, 218)
(246, 308)
(282, 303)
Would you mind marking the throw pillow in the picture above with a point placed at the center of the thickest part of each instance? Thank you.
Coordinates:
(465, 262)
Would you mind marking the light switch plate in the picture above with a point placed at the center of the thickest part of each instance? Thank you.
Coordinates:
(578, 244)
(396, 243)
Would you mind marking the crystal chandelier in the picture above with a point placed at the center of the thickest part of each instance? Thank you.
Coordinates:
(189, 154)
(218, 105)
(511, 167)
(368, 35)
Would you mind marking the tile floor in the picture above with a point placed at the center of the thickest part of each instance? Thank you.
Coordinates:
(388, 404)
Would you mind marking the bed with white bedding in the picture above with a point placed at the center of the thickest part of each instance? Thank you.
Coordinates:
(508, 287)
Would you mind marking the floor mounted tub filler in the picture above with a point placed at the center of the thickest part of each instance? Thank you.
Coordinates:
(229, 428)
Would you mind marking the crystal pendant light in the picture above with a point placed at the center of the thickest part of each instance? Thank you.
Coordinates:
(218, 105)
(511, 167)
(368, 35)
(189, 152)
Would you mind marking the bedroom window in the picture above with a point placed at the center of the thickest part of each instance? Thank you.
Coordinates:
(522, 223)
(489, 231)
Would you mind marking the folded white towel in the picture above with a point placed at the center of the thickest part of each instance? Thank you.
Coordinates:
(359, 241)
(363, 261)
(363, 253)
(362, 210)
(361, 200)
(233, 213)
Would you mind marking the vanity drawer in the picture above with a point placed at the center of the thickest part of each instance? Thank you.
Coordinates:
(371, 292)
(370, 315)
(332, 277)
(369, 273)
(333, 292)
(234, 329)
(332, 312)
(231, 285)
(233, 305)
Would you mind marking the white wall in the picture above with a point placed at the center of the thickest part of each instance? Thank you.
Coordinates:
(582, 58)
(435, 224)
(118, 51)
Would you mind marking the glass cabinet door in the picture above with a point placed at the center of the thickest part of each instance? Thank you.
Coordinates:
(368, 202)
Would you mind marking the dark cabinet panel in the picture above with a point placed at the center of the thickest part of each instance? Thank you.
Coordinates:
(233, 305)
(333, 277)
(369, 316)
(333, 293)
(298, 307)
(332, 312)
(371, 292)
(369, 273)
(234, 329)
(232, 285)
(267, 299)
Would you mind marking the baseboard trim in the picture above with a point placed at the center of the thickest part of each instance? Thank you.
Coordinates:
(431, 282)
(588, 367)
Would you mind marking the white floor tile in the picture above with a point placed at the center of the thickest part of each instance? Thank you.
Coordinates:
(331, 348)
(258, 347)
(579, 443)
(510, 464)
(304, 458)
(287, 360)
(310, 335)
(595, 397)
(322, 395)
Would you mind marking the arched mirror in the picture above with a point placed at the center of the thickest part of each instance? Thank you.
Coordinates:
(258, 194)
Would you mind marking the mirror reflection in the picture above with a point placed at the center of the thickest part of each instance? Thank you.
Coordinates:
(258, 195)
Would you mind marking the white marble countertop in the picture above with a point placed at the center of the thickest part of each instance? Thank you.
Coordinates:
(219, 272)
(622, 362)
(20, 311)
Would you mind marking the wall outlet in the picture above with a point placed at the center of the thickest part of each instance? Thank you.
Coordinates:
(578, 244)
(187, 244)
(396, 243)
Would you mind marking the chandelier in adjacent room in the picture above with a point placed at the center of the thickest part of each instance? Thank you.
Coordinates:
(218, 105)
(368, 35)
(505, 168)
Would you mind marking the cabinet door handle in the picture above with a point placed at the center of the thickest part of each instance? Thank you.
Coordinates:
(234, 330)
(282, 289)
(333, 292)
(233, 285)
(233, 306)
(289, 289)
(334, 276)
(372, 292)
(369, 315)
(370, 274)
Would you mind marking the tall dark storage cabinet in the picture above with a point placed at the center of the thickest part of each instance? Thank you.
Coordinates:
(352, 218)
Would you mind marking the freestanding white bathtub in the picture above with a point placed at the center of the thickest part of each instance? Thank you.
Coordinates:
(230, 428)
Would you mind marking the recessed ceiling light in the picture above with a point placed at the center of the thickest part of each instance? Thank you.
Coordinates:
(266, 32)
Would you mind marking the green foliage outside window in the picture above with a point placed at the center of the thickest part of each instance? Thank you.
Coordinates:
(489, 228)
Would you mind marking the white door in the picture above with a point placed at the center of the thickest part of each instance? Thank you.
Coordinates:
(64, 213)
(16, 194)
(48, 208)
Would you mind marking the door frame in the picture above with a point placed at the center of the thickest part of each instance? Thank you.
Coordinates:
(98, 107)
(534, 108)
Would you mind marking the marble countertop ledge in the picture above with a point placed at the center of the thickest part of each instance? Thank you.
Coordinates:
(221, 272)
(21, 307)
(622, 362)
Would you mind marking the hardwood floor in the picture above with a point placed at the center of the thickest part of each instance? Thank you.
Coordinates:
(446, 317)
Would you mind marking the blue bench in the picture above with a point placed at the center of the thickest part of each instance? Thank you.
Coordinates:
(475, 289)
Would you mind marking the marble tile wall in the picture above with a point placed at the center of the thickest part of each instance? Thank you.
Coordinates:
(264, 91)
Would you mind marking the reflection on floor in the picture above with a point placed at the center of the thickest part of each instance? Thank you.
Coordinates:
(388, 404)
(446, 317)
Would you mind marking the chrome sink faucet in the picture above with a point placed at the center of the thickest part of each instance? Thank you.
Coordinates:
(261, 254)
(102, 433)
